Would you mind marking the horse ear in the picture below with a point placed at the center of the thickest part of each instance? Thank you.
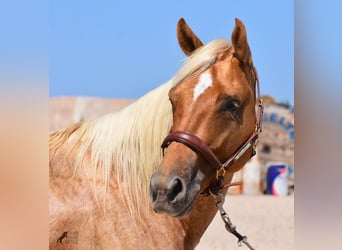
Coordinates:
(240, 44)
(187, 39)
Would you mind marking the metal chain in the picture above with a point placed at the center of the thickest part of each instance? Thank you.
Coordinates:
(219, 200)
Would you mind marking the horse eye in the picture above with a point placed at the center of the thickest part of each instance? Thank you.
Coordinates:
(231, 105)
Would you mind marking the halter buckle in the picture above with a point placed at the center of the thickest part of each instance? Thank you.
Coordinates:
(260, 101)
(220, 172)
(257, 129)
(254, 149)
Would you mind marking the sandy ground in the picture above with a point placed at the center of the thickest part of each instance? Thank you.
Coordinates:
(267, 221)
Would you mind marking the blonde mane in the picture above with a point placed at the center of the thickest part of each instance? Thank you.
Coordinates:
(129, 141)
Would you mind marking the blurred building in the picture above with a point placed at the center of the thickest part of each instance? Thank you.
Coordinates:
(276, 145)
(277, 138)
(276, 142)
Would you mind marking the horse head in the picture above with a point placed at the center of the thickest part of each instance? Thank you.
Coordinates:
(214, 104)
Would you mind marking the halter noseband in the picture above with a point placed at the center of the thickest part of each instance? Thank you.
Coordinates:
(200, 148)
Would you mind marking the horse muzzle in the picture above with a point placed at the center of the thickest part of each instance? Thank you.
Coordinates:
(173, 194)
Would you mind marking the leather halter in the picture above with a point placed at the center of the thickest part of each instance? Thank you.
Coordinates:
(200, 148)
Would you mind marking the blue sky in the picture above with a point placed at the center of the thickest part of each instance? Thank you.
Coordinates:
(123, 49)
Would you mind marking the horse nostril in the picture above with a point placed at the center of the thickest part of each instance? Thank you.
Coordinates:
(176, 190)
(170, 189)
(153, 187)
(153, 194)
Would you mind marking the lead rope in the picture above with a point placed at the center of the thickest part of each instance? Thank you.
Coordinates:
(219, 200)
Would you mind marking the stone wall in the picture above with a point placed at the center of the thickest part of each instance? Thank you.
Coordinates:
(64, 111)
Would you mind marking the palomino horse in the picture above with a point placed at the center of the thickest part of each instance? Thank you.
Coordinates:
(104, 173)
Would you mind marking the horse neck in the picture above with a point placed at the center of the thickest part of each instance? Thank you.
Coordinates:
(199, 219)
(197, 222)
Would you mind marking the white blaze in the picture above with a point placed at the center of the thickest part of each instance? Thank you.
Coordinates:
(204, 82)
